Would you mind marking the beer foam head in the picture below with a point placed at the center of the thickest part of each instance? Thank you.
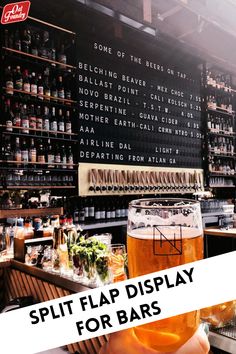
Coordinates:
(187, 215)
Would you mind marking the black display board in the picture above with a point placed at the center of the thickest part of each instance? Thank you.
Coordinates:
(139, 101)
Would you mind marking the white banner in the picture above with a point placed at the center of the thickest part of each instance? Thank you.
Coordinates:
(119, 306)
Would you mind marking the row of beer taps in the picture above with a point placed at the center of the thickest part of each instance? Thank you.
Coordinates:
(108, 180)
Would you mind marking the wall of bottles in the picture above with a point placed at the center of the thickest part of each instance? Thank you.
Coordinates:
(220, 130)
(37, 128)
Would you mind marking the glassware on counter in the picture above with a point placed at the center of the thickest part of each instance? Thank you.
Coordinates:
(117, 262)
(220, 315)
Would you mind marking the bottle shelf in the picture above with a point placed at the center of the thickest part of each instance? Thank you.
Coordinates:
(40, 187)
(232, 157)
(221, 111)
(222, 133)
(35, 57)
(36, 163)
(48, 24)
(36, 171)
(49, 133)
(221, 186)
(212, 174)
(103, 224)
(219, 88)
(49, 98)
(7, 213)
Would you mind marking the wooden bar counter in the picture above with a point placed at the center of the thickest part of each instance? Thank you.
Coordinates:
(216, 231)
(18, 279)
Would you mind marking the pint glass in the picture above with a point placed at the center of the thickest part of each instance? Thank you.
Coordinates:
(164, 233)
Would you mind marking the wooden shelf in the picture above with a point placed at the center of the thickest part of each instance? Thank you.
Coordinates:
(220, 186)
(232, 135)
(212, 174)
(7, 213)
(221, 155)
(62, 100)
(39, 130)
(229, 89)
(37, 163)
(18, 52)
(40, 187)
(221, 110)
(52, 25)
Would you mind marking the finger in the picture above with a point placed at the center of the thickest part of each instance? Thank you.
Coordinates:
(104, 349)
(198, 344)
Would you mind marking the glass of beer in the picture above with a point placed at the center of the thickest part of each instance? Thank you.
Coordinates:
(117, 262)
(164, 233)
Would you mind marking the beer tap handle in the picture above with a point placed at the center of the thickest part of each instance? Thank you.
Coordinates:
(161, 180)
(129, 180)
(116, 180)
(109, 180)
(99, 180)
(157, 180)
(91, 179)
(138, 176)
(105, 180)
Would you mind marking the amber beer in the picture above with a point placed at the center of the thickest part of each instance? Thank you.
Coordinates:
(152, 249)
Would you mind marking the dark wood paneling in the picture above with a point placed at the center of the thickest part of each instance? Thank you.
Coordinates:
(18, 283)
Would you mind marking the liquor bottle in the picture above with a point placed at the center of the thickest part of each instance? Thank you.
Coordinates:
(61, 56)
(24, 120)
(8, 116)
(18, 84)
(113, 211)
(33, 85)
(50, 155)
(17, 40)
(35, 43)
(60, 88)
(108, 211)
(68, 123)
(53, 52)
(26, 81)
(17, 115)
(32, 151)
(53, 123)
(24, 152)
(86, 210)
(46, 119)
(61, 122)
(32, 120)
(7, 150)
(41, 153)
(40, 87)
(9, 81)
(102, 212)
(70, 158)
(91, 209)
(43, 51)
(54, 92)
(39, 119)
(63, 157)
(47, 88)
(57, 156)
(97, 212)
(26, 40)
(81, 212)
(17, 151)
